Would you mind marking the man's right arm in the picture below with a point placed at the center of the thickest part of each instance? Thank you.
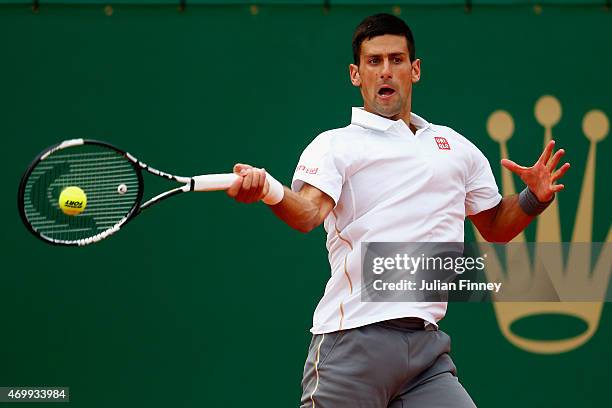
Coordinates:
(304, 210)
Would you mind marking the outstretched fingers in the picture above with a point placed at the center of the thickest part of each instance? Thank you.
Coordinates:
(545, 156)
(512, 166)
(552, 164)
(556, 188)
(560, 172)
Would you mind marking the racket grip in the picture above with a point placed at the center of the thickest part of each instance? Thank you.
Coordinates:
(213, 182)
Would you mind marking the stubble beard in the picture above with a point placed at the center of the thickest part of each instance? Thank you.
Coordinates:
(389, 111)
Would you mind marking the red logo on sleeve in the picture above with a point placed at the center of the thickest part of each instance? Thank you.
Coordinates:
(442, 143)
(307, 170)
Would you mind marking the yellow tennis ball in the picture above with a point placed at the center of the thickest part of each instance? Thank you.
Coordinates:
(72, 200)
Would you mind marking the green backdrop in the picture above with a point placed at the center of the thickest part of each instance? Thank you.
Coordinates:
(206, 302)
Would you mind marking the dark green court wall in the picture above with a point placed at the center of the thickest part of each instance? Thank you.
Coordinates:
(205, 302)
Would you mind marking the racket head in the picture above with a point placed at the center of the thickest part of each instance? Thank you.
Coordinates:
(110, 178)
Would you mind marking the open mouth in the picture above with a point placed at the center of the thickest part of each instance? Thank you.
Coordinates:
(386, 91)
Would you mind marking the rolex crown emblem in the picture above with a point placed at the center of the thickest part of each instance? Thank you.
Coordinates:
(572, 270)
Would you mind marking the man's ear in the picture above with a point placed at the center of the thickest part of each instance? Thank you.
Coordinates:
(354, 73)
(416, 71)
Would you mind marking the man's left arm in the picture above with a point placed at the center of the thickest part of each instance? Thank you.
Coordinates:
(512, 215)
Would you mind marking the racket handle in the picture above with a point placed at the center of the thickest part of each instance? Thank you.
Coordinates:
(213, 182)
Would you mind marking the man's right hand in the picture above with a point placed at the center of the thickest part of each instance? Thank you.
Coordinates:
(303, 210)
(251, 186)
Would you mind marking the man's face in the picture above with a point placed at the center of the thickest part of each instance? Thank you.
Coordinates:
(385, 76)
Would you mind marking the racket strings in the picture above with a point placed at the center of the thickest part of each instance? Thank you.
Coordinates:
(108, 179)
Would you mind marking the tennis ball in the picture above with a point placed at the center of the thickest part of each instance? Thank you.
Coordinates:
(72, 200)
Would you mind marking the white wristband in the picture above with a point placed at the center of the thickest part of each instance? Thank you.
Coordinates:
(276, 192)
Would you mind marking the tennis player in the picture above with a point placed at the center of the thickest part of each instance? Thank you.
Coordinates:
(391, 175)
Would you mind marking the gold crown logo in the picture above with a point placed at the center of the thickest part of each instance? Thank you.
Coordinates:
(577, 269)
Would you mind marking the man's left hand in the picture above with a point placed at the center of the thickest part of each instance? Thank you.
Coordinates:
(541, 178)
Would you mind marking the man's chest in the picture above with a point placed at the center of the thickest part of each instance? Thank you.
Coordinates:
(409, 164)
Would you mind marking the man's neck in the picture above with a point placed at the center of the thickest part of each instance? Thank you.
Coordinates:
(412, 127)
(405, 116)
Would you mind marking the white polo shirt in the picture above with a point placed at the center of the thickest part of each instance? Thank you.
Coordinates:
(389, 185)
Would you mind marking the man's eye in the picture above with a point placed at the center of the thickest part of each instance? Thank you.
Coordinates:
(373, 60)
(397, 60)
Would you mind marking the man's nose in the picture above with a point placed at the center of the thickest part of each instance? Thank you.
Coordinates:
(386, 69)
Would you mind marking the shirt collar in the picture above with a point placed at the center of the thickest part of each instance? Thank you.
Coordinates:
(363, 118)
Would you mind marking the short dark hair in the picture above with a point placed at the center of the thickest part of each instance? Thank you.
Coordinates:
(381, 24)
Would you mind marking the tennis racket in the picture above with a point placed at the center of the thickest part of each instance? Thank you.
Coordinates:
(110, 179)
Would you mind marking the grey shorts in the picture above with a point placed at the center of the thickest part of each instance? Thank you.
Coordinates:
(382, 365)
